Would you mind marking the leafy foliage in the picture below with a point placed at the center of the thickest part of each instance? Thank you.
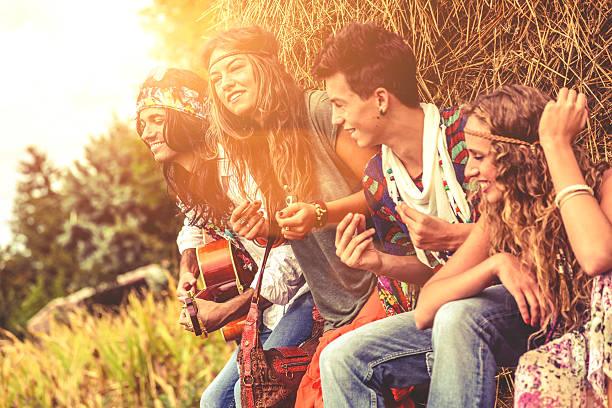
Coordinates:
(120, 215)
(106, 215)
(36, 268)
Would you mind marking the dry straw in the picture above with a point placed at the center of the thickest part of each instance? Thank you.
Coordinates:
(463, 47)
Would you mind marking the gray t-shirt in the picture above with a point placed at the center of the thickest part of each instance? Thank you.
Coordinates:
(338, 291)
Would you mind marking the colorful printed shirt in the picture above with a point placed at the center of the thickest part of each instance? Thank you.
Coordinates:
(396, 296)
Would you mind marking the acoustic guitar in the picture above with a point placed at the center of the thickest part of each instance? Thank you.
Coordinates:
(223, 277)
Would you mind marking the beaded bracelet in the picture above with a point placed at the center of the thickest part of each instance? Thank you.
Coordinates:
(321, 214)
(571, 191)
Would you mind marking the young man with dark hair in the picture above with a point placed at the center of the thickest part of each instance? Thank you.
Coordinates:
(418, 178)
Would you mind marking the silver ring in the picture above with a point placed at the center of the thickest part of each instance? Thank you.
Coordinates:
(243, 221)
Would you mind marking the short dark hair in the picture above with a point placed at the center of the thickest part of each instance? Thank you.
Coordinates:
(370, 57)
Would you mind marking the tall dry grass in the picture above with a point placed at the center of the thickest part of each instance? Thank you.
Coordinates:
(463, 47)
(139, 357)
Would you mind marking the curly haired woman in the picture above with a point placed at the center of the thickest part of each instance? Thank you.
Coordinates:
(545, 234)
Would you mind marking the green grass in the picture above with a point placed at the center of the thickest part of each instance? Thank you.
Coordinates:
(138, 357)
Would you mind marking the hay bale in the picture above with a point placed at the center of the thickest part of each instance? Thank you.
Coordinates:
(463, 47)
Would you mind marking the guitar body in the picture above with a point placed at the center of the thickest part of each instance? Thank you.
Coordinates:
(221, 273)
(233, 330)
(223, 278)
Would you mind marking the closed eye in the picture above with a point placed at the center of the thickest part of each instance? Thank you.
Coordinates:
(475, 155)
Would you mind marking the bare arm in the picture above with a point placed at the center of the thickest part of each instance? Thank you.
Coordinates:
(216, 315)
(188, 272)
(300, 217)
(456, 279)
(469, 271)
(587, 221)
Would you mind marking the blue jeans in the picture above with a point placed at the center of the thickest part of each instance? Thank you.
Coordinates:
(291, 330)
(470, 338)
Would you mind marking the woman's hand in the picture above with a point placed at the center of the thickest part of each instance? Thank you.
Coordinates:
(354, 244)
(563, 119)
(247, 220)
(521, 285)
(296, 220)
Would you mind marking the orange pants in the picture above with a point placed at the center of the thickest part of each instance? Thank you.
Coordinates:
(309, 393)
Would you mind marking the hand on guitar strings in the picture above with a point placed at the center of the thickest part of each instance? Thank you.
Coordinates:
(248, 221)
(188, 271)
(186, 283)
(210, 313)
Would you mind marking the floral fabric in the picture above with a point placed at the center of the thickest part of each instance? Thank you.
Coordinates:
(571, 370)
(179, 98)
(398, 297)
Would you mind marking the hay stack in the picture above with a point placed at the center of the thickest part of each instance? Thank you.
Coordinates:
(464, 47)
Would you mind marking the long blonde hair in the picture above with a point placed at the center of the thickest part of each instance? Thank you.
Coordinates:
(525, 221)
(277, 153)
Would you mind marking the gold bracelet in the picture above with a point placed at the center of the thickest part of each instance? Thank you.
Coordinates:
(571, 189)
(321, 214)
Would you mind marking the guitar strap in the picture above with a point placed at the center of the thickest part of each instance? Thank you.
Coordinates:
(250, 335)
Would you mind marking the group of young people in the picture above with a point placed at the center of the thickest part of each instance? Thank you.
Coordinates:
(437, 244)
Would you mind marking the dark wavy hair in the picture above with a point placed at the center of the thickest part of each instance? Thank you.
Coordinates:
(278, 152)
(370, 57)
(525, 222)
(200, 189)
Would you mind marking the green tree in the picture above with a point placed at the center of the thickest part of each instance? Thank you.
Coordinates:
(36, 268)
(120, 214)
(106, 215)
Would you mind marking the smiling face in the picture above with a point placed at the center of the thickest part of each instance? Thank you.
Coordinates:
(153, 123)
(233, 82)
(481, 164)
(355, 115)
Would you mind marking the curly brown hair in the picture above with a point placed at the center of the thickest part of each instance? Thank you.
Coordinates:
(525, 222)
(277, 153)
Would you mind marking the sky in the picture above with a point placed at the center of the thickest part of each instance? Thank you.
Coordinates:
(67, 66)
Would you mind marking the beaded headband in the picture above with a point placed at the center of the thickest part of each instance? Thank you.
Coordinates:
(231, 53)
(498, 138)
(179, 98)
